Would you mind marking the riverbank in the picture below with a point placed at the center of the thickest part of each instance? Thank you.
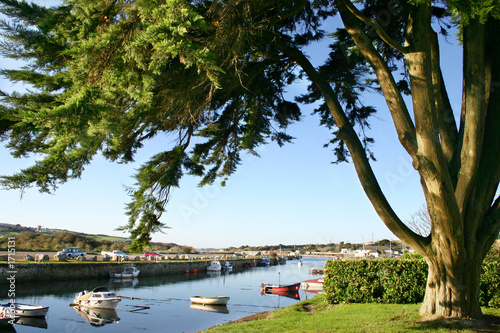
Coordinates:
(53, 270)
(315, 315)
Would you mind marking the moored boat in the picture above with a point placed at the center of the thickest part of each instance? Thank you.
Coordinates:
(214, 266)
(100, 297)
(279, 287)
(128, 272)
(314, 284)
(228, 266)
(290, 294)
(317, 271)
(265, 262)
(22, 310)
(209, 300)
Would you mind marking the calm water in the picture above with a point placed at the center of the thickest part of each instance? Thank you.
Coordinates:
(161, 303)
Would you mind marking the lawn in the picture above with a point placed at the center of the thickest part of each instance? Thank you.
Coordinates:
(315, 315)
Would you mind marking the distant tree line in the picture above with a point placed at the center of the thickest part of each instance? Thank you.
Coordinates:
(34, 241)
(330, 247)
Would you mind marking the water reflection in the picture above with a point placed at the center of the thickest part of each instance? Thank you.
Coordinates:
(97, 317)
(151, 301)
(210, 308)
(290, 294)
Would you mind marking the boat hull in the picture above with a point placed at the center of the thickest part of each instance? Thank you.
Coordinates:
(24, 310)
(274, 287)
(100, 297)
(128, 273)
(209, 300)
(314, 284)
(99, 304)
(123, 276)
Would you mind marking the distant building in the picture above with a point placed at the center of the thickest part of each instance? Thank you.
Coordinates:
(251, 253)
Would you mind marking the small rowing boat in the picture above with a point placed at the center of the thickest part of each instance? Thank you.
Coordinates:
(209, 300)
(279, 287)
(22, 310)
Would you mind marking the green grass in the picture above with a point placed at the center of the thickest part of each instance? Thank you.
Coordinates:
(315, 315)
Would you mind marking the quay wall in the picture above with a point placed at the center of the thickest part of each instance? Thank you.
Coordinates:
(27, 272)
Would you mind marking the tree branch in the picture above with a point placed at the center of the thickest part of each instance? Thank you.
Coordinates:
(397, 106)
(375, 25)
(446, 120)
(475, 106)
(361, 163)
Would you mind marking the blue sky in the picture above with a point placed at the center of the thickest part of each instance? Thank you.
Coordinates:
(291, 195)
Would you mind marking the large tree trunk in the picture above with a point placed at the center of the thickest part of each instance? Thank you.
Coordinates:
(452, 286)
(457, 176)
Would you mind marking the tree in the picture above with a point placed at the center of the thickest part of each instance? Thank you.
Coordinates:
(109, 75)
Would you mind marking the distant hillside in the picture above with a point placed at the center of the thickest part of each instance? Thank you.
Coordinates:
(45, 239)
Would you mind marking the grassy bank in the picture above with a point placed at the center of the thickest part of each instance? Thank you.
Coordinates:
(315, 315)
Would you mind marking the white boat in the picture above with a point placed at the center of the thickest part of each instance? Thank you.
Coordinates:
(314, 284)
(100, 297)
(209, 300)
(128, 272)
(214, 266)
(22, 310)
(228, 266)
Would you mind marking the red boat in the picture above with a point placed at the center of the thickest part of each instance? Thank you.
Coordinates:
(279, 287)
(291, 294)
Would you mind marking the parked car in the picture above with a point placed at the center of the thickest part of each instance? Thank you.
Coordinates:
(115, 253)
(72, 252)
(154, 254)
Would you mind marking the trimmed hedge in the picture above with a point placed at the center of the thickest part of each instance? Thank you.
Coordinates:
(398, 281)
(489, 287)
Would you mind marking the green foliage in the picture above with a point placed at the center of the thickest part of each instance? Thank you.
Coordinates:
(34, 241)
(489, 293)
(399, 281)
(403, 281)
(353, 281)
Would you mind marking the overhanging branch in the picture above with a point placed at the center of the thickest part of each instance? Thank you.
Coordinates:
(361, 163)
(397, 106)
(376, 26)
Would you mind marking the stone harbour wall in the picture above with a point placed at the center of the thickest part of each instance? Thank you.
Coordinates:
(25, 272)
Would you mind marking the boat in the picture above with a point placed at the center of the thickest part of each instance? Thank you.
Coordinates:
(22, 310)
(228, 266)
(100, 297)
(209, 300)
(214, 266)
(314, 284)
(128, 272)
(265, 262)
(317, 271)
(290, 294)
(279, 287)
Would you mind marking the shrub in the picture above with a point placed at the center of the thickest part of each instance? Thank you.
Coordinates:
(489, 286)
(354, 281)
(395, 281)
(403, 281)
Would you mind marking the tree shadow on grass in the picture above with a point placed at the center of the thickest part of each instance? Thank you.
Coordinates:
(487, 324)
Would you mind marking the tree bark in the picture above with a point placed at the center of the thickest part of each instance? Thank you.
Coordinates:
(458, 200)
(452, 288)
